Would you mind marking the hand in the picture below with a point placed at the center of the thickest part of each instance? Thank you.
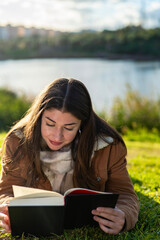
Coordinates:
(111, 220)
(4, 218)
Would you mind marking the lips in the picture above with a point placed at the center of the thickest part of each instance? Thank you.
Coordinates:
(55, 143)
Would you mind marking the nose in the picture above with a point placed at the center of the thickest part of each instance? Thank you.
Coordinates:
(58, 134)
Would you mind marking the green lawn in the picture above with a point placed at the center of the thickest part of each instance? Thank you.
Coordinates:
(144, 168)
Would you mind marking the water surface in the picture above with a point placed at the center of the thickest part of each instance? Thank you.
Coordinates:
(105, 79)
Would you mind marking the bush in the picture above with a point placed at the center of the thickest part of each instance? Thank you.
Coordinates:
(134, 112)
(142, 135)
(131, 113)
(12, 108)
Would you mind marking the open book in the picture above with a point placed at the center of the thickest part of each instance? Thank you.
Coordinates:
(41, 213)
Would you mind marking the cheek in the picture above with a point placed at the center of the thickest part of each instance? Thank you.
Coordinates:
(42, 133)
(44, 130)
(70, 137)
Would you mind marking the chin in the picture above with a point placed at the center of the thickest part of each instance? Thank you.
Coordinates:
(54, 148)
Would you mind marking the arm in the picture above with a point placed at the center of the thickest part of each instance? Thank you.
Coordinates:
(118, 181)
(12, 173)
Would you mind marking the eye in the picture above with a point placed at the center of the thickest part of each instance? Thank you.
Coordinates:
(50, 125)
(68, 129)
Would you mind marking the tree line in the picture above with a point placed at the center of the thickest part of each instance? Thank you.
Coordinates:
(130, 42)
(133, 112)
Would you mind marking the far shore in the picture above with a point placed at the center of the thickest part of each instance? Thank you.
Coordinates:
(136, 57)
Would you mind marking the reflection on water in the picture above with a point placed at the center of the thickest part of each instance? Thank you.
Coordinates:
(105, 79)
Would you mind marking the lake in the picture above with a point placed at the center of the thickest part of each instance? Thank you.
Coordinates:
(105, 79)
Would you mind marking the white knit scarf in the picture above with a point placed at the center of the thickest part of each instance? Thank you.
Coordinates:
(58, 164)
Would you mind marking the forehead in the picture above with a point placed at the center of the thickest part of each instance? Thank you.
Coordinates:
(59, 116)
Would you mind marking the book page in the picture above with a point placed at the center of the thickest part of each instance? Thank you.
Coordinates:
(27, 192)
(83, 191)
(44, 201)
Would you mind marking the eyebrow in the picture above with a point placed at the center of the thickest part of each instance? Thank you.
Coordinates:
(67, 124)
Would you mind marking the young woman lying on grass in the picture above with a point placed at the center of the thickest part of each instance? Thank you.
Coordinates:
(61, 120)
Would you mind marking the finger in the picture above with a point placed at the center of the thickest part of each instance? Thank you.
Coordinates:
(110, 217)
(107, 230)
(6, 227)
(106, 209)
(110, 211)
(4, 208)
(105, 222)
(4, 219)
(116, 224)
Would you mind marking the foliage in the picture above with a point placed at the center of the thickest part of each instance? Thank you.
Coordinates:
(143, 135)
(135, 112)
(132, 113)
(144, 169)
(12, 108)
(131, 41)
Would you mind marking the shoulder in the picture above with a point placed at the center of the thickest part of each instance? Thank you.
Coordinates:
(14, 156)
(103, 142)
(109, 144)
(112, 152)
(117, 149)
(13, 140)
(117, 156)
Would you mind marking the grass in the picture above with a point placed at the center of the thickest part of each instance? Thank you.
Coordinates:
(2, 135)
(144, 169)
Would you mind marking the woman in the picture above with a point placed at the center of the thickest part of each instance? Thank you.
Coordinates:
(61, 143)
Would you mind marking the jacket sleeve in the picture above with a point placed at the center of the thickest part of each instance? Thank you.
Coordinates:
(120, 182)
(11, 173)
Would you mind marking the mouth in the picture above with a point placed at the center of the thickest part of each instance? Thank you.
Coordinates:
(55, 143)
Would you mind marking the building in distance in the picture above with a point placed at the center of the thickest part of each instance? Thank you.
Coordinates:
(10, 32)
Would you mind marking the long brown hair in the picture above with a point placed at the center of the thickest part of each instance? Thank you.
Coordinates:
(71, 96)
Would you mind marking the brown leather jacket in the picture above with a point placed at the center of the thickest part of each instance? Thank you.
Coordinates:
(110, 168)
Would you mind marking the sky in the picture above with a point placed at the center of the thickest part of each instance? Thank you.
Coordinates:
(77, 15)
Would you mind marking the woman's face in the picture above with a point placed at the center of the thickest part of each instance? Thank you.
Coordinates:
(58, 128)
